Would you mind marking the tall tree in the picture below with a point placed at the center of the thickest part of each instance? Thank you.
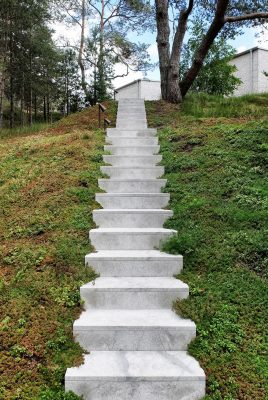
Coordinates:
(217, 74)
(103, 41)
(225, 17)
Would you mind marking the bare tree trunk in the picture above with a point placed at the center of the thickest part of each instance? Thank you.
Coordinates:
(22, 102)
(2, 88)
(35, 108)
(11, 117)
(163, 32)
(81, 48)
(203, 50)
(45, 109)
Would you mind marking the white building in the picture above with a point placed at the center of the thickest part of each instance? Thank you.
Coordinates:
(250, 66)
(139, 89)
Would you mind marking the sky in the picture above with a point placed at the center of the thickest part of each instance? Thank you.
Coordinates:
(241, 43)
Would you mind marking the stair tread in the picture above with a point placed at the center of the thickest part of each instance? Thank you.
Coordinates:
(137, 365)
(132, 230)
(133, 255)
(136, 283)
(133, 194)
(149, 318)
(133, 211)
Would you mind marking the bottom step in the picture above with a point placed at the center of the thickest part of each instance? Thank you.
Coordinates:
(137, 375)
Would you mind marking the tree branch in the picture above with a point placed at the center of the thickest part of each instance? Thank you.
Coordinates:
(180, 32)
(246, 17)
(200, 55)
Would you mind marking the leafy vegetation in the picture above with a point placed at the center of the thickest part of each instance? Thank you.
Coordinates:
(47, 184)
(217, 176)
(216, 166)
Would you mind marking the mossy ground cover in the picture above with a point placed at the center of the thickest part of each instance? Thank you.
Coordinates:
(48, 180)
(217, 176)
(216, 164)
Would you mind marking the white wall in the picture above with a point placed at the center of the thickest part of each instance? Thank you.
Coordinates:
(142, 89)
(250, 67)
(262, 66)
(150, 90)
(128, 92)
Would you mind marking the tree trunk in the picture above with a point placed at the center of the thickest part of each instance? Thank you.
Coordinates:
(163, 32)
(11, 116)
(81, 48)
(35, 108)
(2, 87)
(45, 109)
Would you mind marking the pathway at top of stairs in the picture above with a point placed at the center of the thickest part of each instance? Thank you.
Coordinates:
(137, 345)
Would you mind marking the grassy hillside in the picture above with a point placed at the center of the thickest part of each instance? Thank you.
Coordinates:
(215, 155)
(217, 176)
(47, 184)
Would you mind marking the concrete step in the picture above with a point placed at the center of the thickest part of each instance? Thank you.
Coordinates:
(131, 150)
(133, 161)
(132, 293)
(133, 200)
(129, 238)
(131, 218)
(132, 185)
(134, 263)
(123, 133)
(125, 330)
(133, 172)
(132, 141)
(137, 375)
(133, 124)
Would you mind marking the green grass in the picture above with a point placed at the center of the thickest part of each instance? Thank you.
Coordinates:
(47, 184)
(216, 166)
(217, 176)
(22, 131)
(205, 106)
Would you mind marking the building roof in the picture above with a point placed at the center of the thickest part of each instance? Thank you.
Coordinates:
(249, 51)
(133, 82)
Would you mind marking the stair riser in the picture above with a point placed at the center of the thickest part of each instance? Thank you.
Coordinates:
(115, 241)
(131, 123)
(133, 268)
(132, 161)
(132, 187)
(131, 299)
(133, 339)
(133, 134)
(133, 202)
(132, 151)
(118, 141)
(127, 220)
(131, 131)
(133, 173)
(124, 389)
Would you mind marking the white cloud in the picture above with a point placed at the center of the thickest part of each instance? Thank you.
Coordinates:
(153, 52)
(240, 49)
(261, 39)
(70, 33)
(121, 69)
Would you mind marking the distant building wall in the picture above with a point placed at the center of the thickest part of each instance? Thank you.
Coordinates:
(140, 89)
(150, 90)
(128, 92)
(263, 66)
(250, 66)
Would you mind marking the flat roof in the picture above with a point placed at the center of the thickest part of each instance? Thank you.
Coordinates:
(249, 51)
(136, 80)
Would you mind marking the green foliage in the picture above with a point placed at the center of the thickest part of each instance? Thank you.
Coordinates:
(217, 173)
(46, 187)
(216, 75)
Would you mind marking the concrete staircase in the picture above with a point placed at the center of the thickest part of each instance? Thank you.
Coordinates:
(137, 344)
